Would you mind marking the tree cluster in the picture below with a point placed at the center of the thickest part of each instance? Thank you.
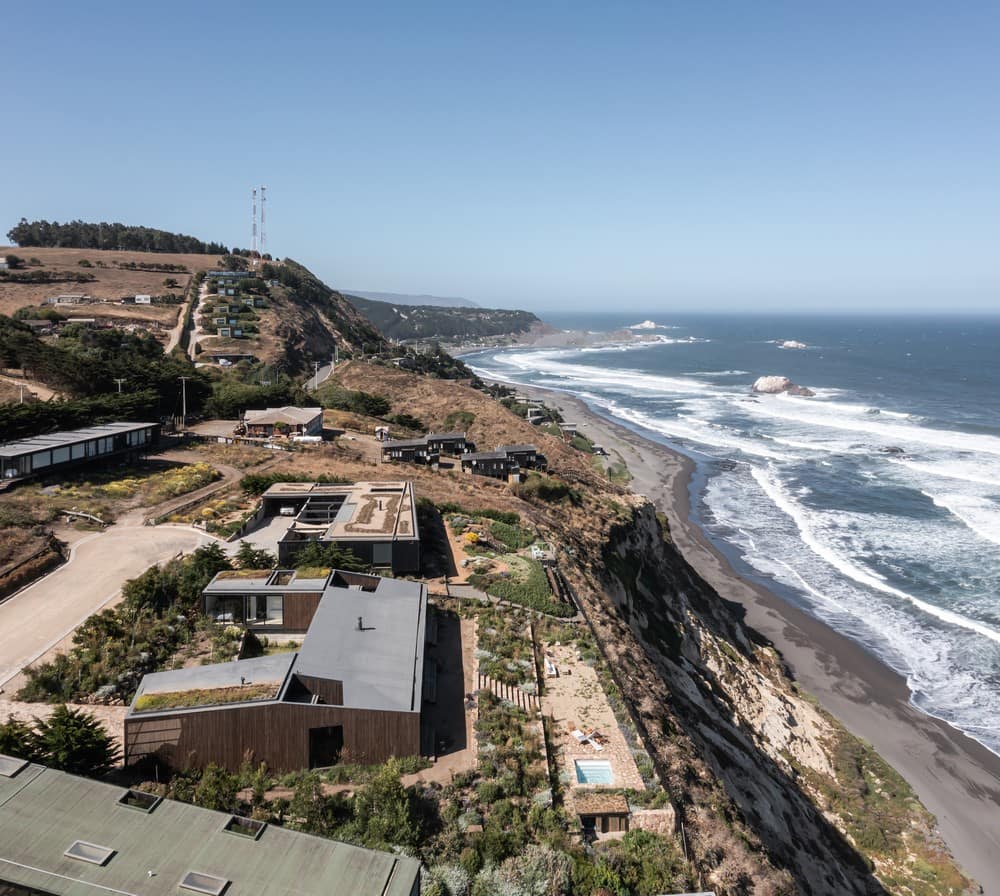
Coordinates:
(124, 237)
(70, 739)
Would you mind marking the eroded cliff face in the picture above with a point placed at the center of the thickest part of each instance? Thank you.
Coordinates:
(757, 772)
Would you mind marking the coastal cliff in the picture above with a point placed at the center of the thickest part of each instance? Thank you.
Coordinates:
(771, 794)
(774, 794)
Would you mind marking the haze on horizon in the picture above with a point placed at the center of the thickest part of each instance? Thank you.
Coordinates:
(554, 157)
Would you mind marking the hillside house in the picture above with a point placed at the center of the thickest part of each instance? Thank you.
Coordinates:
(355, 686)
(453, 444)
(409, 451)
(377, 521)
(69, 300)
(527, 456)
(287, 420)
(495, 464)
(61, 450)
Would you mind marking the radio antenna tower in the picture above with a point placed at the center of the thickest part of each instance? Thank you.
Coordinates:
(263, 199)
(253, 219)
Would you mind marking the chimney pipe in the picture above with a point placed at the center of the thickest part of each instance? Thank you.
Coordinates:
(361, 624)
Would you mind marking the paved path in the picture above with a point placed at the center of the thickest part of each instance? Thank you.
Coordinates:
(39, 617)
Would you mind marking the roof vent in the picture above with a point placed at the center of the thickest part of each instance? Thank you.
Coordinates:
(199, 882)
(10, 765)
(89, 852)
(245, 827)
(139, 800)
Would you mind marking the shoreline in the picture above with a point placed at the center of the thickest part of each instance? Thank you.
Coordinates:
(955, 777)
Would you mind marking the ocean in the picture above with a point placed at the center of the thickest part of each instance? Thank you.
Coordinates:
(874, 505)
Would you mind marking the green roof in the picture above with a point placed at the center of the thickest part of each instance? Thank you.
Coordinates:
(43, 812)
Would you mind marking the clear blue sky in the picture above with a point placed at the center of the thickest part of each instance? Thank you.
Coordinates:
(574, 155)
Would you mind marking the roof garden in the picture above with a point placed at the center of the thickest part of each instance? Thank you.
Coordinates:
(245, 693)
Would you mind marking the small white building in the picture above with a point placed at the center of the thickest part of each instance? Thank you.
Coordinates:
(144, 300)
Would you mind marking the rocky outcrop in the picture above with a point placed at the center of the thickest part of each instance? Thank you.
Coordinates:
(774, 385)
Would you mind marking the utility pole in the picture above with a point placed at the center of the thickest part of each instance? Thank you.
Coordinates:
(119, 380)
(21, 386)
(184, 400)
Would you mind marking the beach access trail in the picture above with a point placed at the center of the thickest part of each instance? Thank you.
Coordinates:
(955, 777)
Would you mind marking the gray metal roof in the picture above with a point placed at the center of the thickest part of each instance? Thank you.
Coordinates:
(509, 449)
(43, 811)
(486, 455)
(406, 443)
(286, 414)
(382, 666)
(68, 437)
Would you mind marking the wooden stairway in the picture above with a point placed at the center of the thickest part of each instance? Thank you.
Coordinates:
(512, 694)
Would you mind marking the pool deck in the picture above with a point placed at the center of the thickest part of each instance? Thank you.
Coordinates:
(575, 700)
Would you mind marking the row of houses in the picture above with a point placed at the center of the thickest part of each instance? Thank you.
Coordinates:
(506, 462)
(427, 449)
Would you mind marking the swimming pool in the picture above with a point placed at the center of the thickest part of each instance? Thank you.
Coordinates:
(593, 771)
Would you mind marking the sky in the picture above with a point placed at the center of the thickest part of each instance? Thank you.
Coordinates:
(662, 155)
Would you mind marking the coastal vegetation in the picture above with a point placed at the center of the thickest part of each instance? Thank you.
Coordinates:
(113, 649)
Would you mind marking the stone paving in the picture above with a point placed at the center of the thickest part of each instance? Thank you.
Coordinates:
(575, 700)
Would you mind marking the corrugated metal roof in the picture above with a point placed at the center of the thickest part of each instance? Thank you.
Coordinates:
(68, 437)
(42, 811)
(283, 415)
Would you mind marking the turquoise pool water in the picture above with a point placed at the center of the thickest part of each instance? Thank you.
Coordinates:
(593, 771)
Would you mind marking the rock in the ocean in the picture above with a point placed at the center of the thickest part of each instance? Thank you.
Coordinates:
(791, 343)
(773, 385)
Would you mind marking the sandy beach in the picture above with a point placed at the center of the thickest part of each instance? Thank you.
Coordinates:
(955, 777)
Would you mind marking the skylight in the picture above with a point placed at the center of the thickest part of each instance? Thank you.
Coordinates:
(89, 852)
(139, 800)
(10, 766)
(245, 827)
(200, 882)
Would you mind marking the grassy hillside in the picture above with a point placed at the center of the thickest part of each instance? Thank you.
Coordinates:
(431, 322)
(107, 276)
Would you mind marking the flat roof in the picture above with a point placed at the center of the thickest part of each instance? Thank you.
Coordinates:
(371, 511)
(487, 455)
(68, 437)
(406, 443)
(256, 671)
(43, 811)
(381, 667)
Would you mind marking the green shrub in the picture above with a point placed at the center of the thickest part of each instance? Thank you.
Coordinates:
(513, 537)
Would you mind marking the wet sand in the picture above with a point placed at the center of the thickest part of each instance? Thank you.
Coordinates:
(955, 777)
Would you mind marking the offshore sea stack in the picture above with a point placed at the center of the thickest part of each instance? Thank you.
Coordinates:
(773, 385)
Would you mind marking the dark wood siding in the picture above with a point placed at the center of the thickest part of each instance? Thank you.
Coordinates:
(328, 690)
(275, 733)
(299, 610)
